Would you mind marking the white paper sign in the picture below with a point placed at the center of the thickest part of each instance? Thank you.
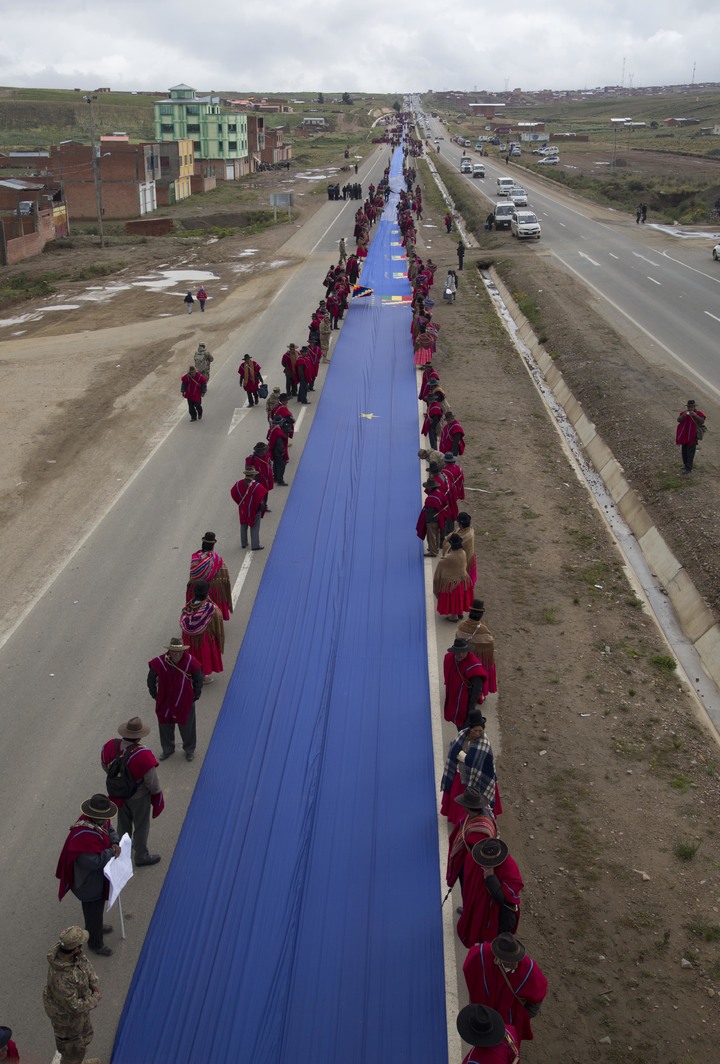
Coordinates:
(119, 870)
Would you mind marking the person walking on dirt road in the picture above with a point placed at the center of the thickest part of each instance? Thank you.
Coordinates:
(690, 430)
(189, 302)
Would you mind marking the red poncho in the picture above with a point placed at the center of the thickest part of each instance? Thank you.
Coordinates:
(86, 836)
(488, 985)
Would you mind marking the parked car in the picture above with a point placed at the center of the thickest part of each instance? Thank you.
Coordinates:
(503, 215)
(539, 151)
(549, 160)
(525, 226)
(716, 252)
(519, 196)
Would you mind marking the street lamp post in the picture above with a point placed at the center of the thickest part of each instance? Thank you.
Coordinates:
(96, 171)
(612, 165)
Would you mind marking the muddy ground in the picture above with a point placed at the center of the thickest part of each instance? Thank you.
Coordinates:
(609, 779)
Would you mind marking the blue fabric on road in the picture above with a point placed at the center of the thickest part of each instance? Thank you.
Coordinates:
(300, 919)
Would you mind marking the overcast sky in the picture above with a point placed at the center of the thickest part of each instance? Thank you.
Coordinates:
(286, 45)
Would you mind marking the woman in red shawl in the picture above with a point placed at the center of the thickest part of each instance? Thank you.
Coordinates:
(202, 623)
(250, 379)
(206, 564)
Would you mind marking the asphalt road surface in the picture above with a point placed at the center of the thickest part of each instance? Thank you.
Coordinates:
(75, 668)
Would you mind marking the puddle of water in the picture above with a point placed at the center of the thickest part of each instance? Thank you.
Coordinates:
(248, 251)
(60, 306)
(20, 320)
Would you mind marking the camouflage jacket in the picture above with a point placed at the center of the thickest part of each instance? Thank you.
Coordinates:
(72, 988)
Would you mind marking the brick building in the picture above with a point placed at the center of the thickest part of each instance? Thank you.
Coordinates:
(128, 173)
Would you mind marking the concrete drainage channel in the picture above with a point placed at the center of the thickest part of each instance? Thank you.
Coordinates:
(655, 573)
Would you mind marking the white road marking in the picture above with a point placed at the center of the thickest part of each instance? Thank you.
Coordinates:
(613, 256)
(562, 224)
(711, 315)
(584, 256)
(653, 262)
(238, 585)
(654, 281)
(238, 414)
(300, 416)
(694, 269)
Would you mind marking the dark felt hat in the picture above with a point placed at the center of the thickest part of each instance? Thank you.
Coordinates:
(99, 807)
(449, 458)
(277, 420)
(490, 853)
(459, 646)
(480, 1026)
(508, 949)
(210, 537)
(5, 1036)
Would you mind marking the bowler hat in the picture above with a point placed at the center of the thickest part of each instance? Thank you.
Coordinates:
(133, 729)
(490, 852)
(99, 807)
(480, 1026)
(250, 471)
(507, 948)
(449, 458)
(460, 646)
(210, 537)
(72, 937)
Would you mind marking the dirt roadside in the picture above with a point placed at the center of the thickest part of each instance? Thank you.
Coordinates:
(592, 801)
(609, 778)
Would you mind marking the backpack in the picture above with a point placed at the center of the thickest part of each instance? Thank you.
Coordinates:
(120, 781)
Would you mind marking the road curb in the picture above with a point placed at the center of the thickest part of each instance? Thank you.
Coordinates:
(694, 616)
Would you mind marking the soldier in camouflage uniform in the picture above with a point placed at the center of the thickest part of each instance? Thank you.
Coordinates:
(202, 359)
(71, 992)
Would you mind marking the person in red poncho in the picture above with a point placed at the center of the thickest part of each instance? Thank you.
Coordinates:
(476, 823)
(250, 496)
(175, 681)
(260, 461)
(500, 975)
(465, 679)
(134, 811)
(690, 430)
(91, 843)
(193, 386)
(491, 905)
(493, 1041)
(452, 437)
(250, 379)
(206, 564)
(8, 1049)
(202, 623)
(278, 448)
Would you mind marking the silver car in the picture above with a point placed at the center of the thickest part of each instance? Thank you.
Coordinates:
(525, 226)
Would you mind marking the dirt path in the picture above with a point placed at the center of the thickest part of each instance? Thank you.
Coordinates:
(606, 772)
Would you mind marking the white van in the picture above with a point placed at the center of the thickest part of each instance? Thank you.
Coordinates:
(503, 215)
(478, 170)
(504, 184)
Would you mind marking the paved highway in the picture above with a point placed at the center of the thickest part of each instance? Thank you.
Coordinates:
(661, 291)
(75, 667)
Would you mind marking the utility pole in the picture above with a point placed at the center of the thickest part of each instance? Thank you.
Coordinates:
(96, 171)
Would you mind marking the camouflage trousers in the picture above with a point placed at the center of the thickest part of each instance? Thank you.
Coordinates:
(71, 1040)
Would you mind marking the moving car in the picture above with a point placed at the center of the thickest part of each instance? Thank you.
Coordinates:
(525, 226)
(716, 252)
(478, 170)
(519, 196)
(504, 184)
(465, 166)
(549, 160)
(503, 215)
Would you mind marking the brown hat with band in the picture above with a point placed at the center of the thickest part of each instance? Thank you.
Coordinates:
(490, 853)
(508, 949)
(133, 729)
(99, 807)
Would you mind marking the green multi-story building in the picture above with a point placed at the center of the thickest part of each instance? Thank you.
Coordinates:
(216, 134)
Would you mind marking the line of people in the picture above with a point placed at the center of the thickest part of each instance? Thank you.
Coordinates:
(505, 985)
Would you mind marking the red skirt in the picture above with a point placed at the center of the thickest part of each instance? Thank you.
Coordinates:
(452, 603)
(423, 355)
(205, 648)
(456, 813)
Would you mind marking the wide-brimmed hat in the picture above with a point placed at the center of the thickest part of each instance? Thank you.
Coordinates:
(277, 419)
(250, 472)
(99, 807)
(210, 537)
(508, 949)
(490, 852)
(201, 347)
(177, 643)
(260, 446)
(480, 1026)
(459, 646)
(449, 458)
(72, 937)
(133, 729)
(5, 1036)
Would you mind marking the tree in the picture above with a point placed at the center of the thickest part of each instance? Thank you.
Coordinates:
(321, 98)
(346, 97)
(396, 106)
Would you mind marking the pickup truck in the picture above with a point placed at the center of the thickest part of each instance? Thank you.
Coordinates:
(465, 166)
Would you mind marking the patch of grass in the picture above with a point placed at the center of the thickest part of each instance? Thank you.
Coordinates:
(671, 482)
(529, 308)
(549, 615)
(681, 783)
(707, 932)
(628, 749)
(581, 539)
(685, 851)
(663, 662)
(635, 603)
(527, 514)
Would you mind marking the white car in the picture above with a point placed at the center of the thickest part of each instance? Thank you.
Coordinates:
(525, 226)
(519, 196)
(716, 252)
(549, 160)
